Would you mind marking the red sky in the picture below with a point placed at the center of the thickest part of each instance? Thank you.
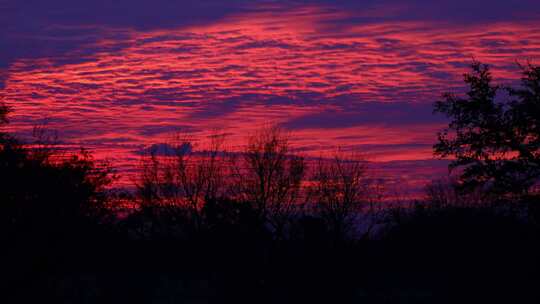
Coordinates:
(356, 74)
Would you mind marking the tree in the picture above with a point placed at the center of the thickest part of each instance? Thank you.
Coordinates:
(340, 190)
(269, 176)
(524, 127)
(49, 195)
(494, 142)
(444, 193)
(182, 181)
(4, 110)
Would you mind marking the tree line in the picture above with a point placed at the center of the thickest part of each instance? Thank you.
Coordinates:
(267, 177)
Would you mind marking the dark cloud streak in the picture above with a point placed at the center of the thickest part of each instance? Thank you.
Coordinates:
(33, 29)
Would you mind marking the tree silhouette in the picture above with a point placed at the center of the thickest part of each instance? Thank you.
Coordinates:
(179, 182)
(495, 143)
(269, 176)
(524, 127)
(46, 193)
(341, 188)
(4, 110)
(445, 193)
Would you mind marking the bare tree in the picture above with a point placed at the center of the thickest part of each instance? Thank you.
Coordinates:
(445, 192)
(183, 180)
(442, 193)
(149, 181)
(340, 190)
(269, 176)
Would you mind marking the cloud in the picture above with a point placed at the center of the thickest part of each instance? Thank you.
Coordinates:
(352, 72)
(166, 149)
(168, 129)
(37, 29)
(395, 114)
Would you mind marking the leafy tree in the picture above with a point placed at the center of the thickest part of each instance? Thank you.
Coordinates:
(524, 126)
(494, 142)
(47, 193)
(4, 110)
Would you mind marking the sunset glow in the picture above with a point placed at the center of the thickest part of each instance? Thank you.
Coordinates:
(333, 81)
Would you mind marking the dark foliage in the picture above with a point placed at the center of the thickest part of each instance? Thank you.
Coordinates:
(479, 254)
(50, 202)
(494, 141)
(43, 198)
(4, 110)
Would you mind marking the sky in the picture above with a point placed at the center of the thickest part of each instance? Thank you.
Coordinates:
(118, 76)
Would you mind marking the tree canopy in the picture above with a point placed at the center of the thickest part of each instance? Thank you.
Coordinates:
(44, 190)
(493, 137)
